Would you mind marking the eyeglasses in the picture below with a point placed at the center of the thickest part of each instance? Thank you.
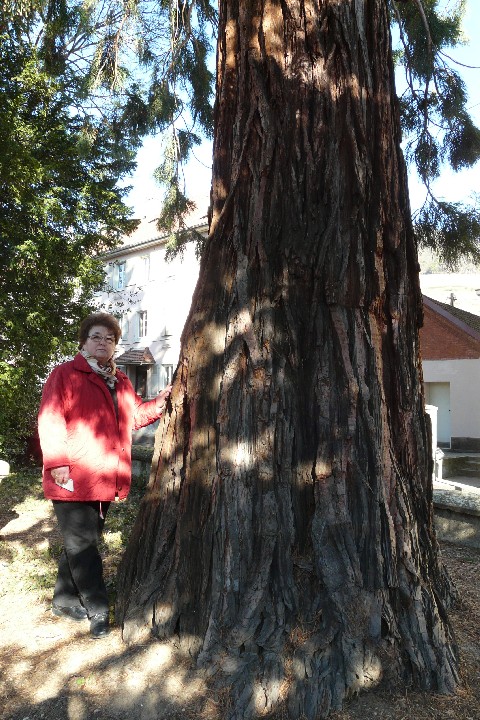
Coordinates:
(99, 338)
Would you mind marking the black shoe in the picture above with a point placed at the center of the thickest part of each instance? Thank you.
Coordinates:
(76, 612)
(99, 626)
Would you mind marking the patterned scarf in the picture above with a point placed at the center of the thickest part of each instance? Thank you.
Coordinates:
(107, 372)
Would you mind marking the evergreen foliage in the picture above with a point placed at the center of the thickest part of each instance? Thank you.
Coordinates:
(59, 206)
(81, 83)
(438, 128)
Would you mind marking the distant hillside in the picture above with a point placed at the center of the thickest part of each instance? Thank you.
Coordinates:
(430, 263)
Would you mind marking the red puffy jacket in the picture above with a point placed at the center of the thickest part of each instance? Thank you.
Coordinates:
(78, 427)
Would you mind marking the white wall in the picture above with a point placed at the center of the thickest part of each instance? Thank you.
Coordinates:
(464, 379)
(165, 293)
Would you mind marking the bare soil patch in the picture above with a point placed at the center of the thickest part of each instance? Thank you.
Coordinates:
(51, 669)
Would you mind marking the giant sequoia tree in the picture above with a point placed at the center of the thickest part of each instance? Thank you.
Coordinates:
(287, 533)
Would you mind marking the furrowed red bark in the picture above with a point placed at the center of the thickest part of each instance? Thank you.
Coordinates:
(287, 534)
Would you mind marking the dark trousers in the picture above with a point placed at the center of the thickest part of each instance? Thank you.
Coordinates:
(80, 569)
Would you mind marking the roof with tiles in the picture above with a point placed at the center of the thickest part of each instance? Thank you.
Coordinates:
(468, 318)
(449, 333)
(136, 357)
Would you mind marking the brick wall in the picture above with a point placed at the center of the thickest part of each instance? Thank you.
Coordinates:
(441, 339)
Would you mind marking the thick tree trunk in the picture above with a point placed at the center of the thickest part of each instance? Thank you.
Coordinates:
(287, 534)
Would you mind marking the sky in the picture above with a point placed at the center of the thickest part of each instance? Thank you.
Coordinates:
(145, 196)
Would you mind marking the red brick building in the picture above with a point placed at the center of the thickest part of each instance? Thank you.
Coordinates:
(450, 347)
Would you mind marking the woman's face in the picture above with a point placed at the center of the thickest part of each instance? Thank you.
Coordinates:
(100, 343)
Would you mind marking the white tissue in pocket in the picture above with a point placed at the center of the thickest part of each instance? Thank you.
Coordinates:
(68, 485)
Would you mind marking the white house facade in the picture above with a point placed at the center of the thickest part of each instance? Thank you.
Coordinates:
(151, 298)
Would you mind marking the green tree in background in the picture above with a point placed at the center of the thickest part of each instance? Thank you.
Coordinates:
(437, 125)
(81, 83)
(59, 205)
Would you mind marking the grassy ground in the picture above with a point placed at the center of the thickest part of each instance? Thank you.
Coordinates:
(24, 566)
(52, 670)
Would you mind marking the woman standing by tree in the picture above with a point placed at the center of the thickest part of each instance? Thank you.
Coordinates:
(86, 417)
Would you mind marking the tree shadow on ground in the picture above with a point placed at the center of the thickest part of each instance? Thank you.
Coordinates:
(14, 489)
(51, 667)
(79, 679)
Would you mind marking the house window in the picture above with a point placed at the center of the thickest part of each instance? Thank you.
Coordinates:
(166, 375)
(109, 270)
(120, 276)
(144, 269)
(124, 326)
(142, 323)
(155, 379)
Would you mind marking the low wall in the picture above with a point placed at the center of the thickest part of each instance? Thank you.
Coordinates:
(465, 444)
(458, 465)
(141, 461)
(457, 513)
